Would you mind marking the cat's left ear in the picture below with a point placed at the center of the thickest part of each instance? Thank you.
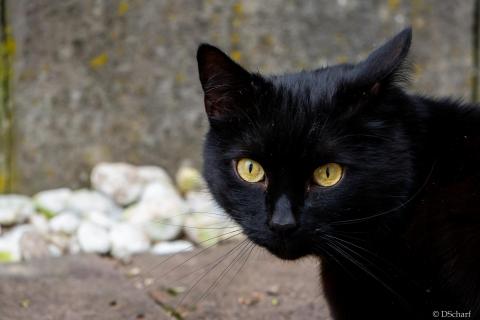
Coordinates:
(386, 64)
(225, 83)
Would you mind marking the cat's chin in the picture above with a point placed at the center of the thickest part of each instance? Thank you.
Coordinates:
(290, 247)
(286, 251)
(286, 254)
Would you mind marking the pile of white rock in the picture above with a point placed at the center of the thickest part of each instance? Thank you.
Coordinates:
(129, 210)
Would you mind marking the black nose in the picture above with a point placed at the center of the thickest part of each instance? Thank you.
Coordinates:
(282, 227)
(282, 219)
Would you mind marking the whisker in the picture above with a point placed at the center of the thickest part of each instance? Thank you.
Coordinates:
(352, 244)
(390, 210)
(194, 227)
(236, 233)
(189, 213)
(338, 247)
(148, 272)
(377, 258)
(372, 263)
(183, 276)
(252, 247)
(198, 253)
(332, 256)
(208, 272)
(362, 267)
(224, 272)
(348, 235)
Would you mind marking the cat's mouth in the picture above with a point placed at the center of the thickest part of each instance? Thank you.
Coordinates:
(286, 252)
(286, 248)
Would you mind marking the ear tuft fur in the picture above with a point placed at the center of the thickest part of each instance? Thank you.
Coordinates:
(223, 80)
(387, 64)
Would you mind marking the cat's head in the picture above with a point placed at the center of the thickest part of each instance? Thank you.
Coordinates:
(291, 157)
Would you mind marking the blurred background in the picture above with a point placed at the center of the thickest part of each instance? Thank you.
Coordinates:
(96, 80)
(101, 131)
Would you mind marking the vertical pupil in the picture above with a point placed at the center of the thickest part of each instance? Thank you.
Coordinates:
(250, 167)
(327, 172)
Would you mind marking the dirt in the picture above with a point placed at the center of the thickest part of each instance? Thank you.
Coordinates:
(218, 283)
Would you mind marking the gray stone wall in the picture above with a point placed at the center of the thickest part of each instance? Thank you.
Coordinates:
(117, 80)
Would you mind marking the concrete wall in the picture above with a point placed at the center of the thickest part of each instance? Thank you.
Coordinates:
(117, 80)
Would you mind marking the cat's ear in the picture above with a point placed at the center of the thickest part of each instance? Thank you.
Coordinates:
(225, 83)
(387, 63)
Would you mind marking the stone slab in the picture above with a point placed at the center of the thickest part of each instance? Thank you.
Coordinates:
(117, 80)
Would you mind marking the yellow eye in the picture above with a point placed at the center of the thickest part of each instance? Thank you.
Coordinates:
(328, 175)
(250, 170)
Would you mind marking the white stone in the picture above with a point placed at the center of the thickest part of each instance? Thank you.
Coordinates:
(149, 174)
(33, 245)
(15, 209)
(10, 249)
(40, 223)
(202, 202)
(55, 251)
(93, 238)
(164, 248)
(74, 246)
(84, 201)
(128, 239)
(148, 211)
(163, 229)
(17, 232)
(52, 201)
(188, 179)
(160, 191)
(161, 220)
(100, 218)
(123, 182)
(60, 240)
(207, 230)
(208, 223)
(65, 223)
(120, 181)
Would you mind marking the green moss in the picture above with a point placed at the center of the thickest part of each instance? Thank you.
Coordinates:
(5, 256)
(237, 19)
(7, 52)
(46, 213)
(393, 4)
(122, 8)
(99, 61)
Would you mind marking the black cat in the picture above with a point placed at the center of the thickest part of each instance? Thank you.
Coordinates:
(343, 164)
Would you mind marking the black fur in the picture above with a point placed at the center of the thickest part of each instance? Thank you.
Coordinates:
(399, 235)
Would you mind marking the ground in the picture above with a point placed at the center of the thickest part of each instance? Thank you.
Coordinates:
(152, 287)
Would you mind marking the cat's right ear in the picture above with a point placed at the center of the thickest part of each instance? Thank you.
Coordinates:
(387, 64)
(225, 83)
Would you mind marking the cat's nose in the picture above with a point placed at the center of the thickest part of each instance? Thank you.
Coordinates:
(282, 226)
(282, 219)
